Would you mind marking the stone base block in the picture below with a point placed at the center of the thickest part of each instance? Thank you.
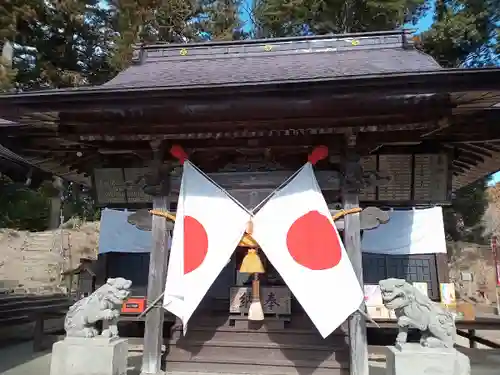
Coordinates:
(413, 359)
(89, 356)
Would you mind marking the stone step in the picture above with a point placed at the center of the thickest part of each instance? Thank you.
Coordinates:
(294, 321)
(251, 365)
(217, 368)
(264, 351)
(306, 337)
(263, 356)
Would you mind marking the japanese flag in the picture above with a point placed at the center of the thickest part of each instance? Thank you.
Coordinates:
(296, 232)
(208, 227)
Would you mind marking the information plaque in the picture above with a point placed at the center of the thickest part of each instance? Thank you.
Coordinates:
(398, 168)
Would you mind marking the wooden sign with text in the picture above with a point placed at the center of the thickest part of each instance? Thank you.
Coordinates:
(274, 299)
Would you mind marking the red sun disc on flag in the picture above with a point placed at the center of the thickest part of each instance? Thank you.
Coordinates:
(195, 244)
(313, 242)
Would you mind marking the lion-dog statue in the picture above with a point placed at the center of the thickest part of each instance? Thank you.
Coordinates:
(415, 310)
(104, 304)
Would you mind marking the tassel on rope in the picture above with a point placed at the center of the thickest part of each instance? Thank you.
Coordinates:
(255, 311)
(317, 154)
(252, 264)
(178, 152)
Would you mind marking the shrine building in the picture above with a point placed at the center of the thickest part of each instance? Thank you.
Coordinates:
(402, 133)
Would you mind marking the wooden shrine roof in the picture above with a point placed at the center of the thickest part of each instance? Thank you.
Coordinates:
(275, 60)
(274, 98)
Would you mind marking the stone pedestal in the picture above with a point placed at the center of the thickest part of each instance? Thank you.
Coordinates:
(413, 359)
(89, 356)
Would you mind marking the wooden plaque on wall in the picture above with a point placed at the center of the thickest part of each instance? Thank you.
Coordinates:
(398, 168)
(413, 179)
(109, 186)
(118, 186)
(430, 179)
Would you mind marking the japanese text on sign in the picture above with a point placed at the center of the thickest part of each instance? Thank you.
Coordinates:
(274, 299)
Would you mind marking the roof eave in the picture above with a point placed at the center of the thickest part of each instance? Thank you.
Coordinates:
(443, 81)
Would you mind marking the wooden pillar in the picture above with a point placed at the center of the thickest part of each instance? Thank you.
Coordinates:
(153, 329)
(352, 240)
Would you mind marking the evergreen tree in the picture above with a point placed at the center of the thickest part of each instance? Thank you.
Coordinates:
(57, 43)
(221, 20)
(464, 219)
(464, 33)
(171, 21)
(276, 18)
(151, 21)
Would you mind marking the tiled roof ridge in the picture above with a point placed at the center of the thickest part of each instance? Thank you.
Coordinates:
(324, 43)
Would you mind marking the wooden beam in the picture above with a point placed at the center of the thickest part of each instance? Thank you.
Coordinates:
(462, 164)
(282, 123)
(352, 241)
(475, 149)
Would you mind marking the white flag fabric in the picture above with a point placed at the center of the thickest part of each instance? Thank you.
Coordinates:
(208, 227)
(297, 234)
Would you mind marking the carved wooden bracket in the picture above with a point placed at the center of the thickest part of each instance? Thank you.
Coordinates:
(156, 182)
(141, 219)
(354, 178)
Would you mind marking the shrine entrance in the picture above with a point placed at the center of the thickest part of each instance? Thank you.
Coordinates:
(230, 291)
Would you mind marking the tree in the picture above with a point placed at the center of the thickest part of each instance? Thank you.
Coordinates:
(276, 18)
(22, 208)
(57, 43)
(222, 19)
(171, 21)
(464, 33)
(464, 219)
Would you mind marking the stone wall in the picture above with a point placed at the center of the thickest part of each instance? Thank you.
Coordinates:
(476, 260)
(32, 262)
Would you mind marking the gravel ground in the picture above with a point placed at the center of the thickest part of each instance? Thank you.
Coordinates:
(20, 360)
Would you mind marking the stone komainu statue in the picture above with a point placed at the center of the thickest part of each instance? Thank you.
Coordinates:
(104, 304)
(415, 310)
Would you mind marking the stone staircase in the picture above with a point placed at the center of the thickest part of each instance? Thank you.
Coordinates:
(42, 259)
(232, 344)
